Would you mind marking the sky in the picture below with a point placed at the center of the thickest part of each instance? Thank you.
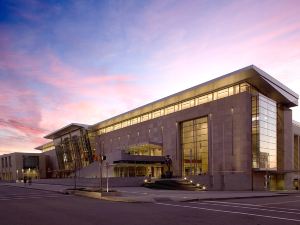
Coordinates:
(85, 61)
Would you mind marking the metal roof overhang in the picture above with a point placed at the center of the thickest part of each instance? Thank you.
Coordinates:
(265, 84)
(41, 147)
(65, 130)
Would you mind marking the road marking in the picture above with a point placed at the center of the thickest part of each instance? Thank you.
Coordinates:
(225, 211)
(270, 207)
(278, 203)
(245, 207)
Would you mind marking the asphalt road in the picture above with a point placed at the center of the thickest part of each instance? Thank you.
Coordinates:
(20, 206)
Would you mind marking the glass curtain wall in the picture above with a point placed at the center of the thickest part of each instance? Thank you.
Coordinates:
(74, 152)
(194, 145)
(264, 132)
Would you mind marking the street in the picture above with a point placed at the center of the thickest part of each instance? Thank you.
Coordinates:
(22, 206)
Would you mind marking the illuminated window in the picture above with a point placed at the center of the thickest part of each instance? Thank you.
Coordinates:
(156, 114)
(134, 121)
(230, 91)
(145, 117)
(125, 123)
(264, 132)
(187, 104)
(237, 89)
(109, 129)
(170, 109)
(117, 126)
(194, 139)
(223, 93)
(244, 87)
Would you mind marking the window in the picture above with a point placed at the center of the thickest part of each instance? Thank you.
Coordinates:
(134, 121)
(156, 114)
(145, 117)
(223, 93)
(194, 140)
(264, 132)
(170, 109)
(117, 126)
(125, 123)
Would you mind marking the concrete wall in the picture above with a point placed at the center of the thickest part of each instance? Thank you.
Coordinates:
(51, 160)
(285, 141)
(92, 182)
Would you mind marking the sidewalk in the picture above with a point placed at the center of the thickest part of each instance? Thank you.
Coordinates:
(46, 187)
(141, 194)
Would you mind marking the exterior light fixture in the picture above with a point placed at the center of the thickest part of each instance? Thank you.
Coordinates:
(191, 181)
(184, 178)
(145, 181)
(203, 188)
(198, 185)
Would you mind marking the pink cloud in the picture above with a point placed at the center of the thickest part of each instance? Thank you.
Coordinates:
(76, 96)
(24, 128)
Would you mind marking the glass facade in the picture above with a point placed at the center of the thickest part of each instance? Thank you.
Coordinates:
(138, 166)
(145, 149)
(74, 152)
(194, 145)
(198, 100)
(264, 133)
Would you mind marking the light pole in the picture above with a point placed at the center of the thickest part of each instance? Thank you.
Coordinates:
(107, 165)
(100, 171)
(267, 174)
(211, 148)
(23, 174)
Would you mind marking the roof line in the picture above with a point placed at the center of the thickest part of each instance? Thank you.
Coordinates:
(177, 93)
(272, 80)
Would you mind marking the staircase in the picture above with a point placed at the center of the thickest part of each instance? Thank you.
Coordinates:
(174, 184)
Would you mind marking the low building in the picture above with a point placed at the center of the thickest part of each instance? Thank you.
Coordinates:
(231, 133)
(17, 166)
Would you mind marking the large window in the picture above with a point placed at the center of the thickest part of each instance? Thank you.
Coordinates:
(76, 151)
(194, 145)
(264, 132)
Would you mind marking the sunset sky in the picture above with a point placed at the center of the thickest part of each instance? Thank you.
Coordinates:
(86, 61)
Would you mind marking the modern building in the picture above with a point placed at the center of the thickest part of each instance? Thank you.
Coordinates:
(17, 165)
(231, 133)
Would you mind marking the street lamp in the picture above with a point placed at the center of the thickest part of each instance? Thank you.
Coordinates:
(23, 174)
(107, 166)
